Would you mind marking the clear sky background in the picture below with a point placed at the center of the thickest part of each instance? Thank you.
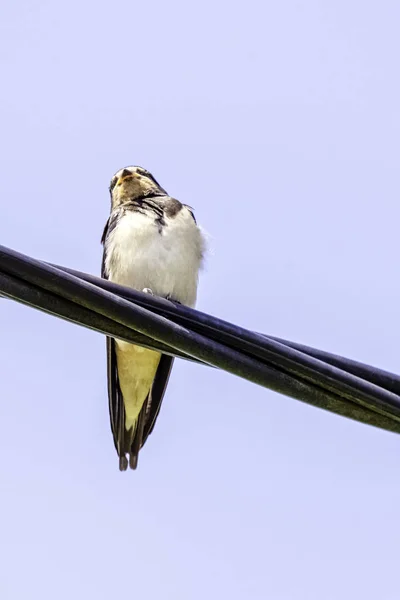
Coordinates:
(279, 123)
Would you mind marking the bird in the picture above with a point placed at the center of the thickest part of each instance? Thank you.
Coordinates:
(151, 243)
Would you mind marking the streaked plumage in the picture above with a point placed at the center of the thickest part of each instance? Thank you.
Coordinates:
(151, 242)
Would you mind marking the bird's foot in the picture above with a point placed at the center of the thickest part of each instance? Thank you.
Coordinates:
(148, 291)
(171, 299)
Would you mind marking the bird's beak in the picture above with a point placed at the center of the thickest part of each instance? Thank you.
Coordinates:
(124, 178)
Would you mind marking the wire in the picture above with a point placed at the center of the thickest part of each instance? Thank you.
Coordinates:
(339, 385)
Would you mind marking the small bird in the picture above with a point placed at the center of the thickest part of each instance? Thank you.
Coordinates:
(151, 243)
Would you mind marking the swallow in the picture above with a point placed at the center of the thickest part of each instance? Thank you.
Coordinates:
(151, 243)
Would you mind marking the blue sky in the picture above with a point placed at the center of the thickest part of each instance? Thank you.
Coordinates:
(279, 123)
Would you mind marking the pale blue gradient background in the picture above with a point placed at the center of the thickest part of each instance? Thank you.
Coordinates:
(279, 123)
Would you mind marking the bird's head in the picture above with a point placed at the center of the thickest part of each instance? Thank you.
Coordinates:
(133, 183)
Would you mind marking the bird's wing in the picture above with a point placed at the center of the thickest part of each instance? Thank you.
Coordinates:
(130, 442)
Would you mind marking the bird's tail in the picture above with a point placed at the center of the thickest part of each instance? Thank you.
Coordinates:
(132, 441)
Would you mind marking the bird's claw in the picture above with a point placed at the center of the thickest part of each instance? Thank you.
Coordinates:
(148, 291)
(171, 299)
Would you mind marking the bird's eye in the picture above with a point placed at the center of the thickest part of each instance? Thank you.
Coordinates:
(142, 172)
(113, 184)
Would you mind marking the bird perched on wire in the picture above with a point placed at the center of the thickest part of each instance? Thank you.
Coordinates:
(151, 243)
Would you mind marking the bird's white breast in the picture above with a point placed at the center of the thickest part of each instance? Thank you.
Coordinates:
(167, 260)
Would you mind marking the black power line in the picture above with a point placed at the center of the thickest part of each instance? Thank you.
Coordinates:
(328, 381)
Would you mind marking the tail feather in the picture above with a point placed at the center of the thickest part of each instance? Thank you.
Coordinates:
(136, 441)
(129, 442)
